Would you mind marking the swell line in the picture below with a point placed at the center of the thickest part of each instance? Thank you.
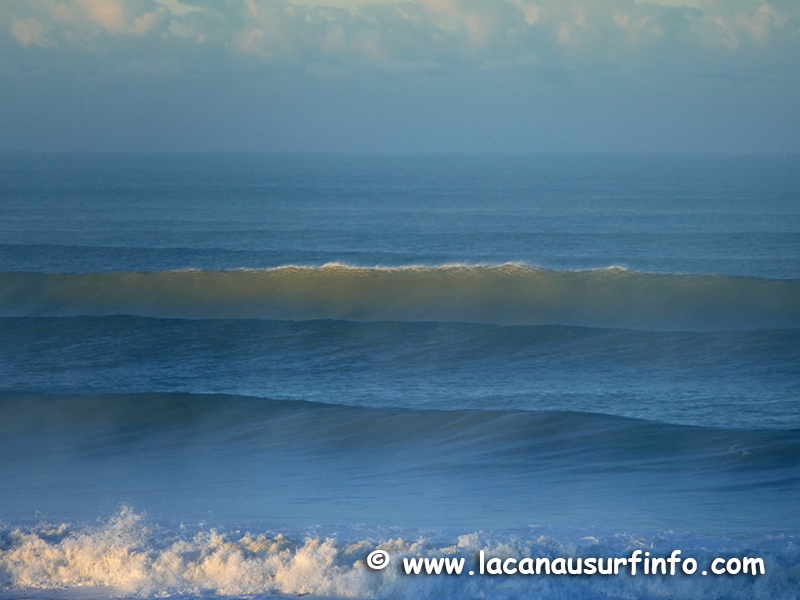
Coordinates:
(523, 439)
(509, 294)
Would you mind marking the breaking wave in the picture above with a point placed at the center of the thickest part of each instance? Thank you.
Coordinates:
(131, 557)
(509, 294)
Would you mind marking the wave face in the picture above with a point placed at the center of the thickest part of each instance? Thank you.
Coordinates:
(510, 294)
(132, 419)
(250, 460)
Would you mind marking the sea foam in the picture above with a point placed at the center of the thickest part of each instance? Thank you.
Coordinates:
(135, 558)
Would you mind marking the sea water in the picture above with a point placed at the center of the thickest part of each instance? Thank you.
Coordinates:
(240, 374)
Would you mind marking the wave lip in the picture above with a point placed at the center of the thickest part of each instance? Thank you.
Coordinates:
(508, 294)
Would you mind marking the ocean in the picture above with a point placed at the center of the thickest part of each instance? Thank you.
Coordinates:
(239, 375)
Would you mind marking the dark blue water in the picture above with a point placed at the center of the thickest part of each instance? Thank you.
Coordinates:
(601, 352)
(79, 213)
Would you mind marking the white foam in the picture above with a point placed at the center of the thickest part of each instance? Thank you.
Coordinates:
(134, 558)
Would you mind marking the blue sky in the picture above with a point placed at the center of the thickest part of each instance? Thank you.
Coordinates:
(388, 76)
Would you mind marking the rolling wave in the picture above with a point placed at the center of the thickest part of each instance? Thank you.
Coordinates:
(512, 440)
(509, 294)
(246, 459)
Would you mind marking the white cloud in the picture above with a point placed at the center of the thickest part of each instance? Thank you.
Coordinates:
(84, 19)
(530, 12)
(490, 34)
(761, 23)
(30, 32)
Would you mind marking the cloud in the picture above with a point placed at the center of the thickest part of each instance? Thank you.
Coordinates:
(761, 23)
(530, 12)
(30, 31)
(337, 35)
(178, 8)
(74, 20)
